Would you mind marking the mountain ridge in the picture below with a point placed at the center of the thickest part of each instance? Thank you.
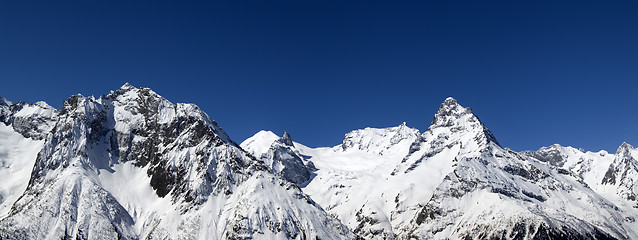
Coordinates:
(131, 164)
(187, 173)
(462, 151)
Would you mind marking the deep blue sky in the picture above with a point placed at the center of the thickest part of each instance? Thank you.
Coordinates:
(536, 73)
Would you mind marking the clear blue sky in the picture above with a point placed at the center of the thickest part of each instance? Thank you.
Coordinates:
(536, 73)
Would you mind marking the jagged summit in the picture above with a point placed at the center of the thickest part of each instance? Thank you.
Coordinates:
(4, 101)
(127, 85)
(379, 140)
(623, 172)
(259, 143)
(133, 165)
(285, 139)
(449, 112)
(625, 147)
(454, 119)
(450, 101)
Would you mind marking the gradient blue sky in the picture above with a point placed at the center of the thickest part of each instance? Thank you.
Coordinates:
(536, 73)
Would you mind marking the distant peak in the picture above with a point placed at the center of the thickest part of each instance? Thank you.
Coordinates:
(285, 139)
(459, 119)
(554, 146)
(624, 147)
(450, 109)
(264, 133)
(450, 101)
(127, 86)
(4, 101)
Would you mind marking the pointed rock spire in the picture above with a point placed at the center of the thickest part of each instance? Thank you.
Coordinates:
(624, 147)
(449, 111)
(127, 86)
(459, 119)
(623, 172)
(4, 102)
(285, 139)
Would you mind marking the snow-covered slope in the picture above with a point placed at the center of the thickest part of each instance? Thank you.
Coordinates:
(456, 181)
(133, 165)
(22, 126)
(17, 156)
(503, 195)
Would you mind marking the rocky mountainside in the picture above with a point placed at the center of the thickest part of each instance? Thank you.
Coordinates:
(622, 173)
(133, 165)
(283, 159)
(455, 181)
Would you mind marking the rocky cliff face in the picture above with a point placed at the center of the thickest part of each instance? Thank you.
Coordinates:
(280, 156)
(623, 173)
(185, 169)
(133, 165)
(31, 120)
(285, 161)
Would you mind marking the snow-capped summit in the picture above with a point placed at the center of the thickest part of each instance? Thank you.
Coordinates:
(623, 172)
(456, 118)
(555, 155)
(281, 157)
(133, 165)
(31, 120)
(259, 143)
(493, 192)
(127, 86)
(380, 140)
(454, 128)
(284, 160)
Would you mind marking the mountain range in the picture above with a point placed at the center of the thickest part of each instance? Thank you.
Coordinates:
(132, 165)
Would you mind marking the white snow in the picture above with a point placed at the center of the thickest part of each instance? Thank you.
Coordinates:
(130, 185)
(39, 109)
(259, 143)
(371, 175)
(17, 156)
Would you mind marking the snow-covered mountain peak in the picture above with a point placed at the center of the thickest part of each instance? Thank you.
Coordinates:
(138, 106)
(4, 102)
(452, 114)
(625, 148)
(623, 172)
(449, 110)
(285, 139)
(126, 86)
(30, 120)
(139, 126)
(259, 143)
(450, 101)
(280, 155)
(284, 160)
(455, 124)
(555, 155)
(132, 165)
(380, 140)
